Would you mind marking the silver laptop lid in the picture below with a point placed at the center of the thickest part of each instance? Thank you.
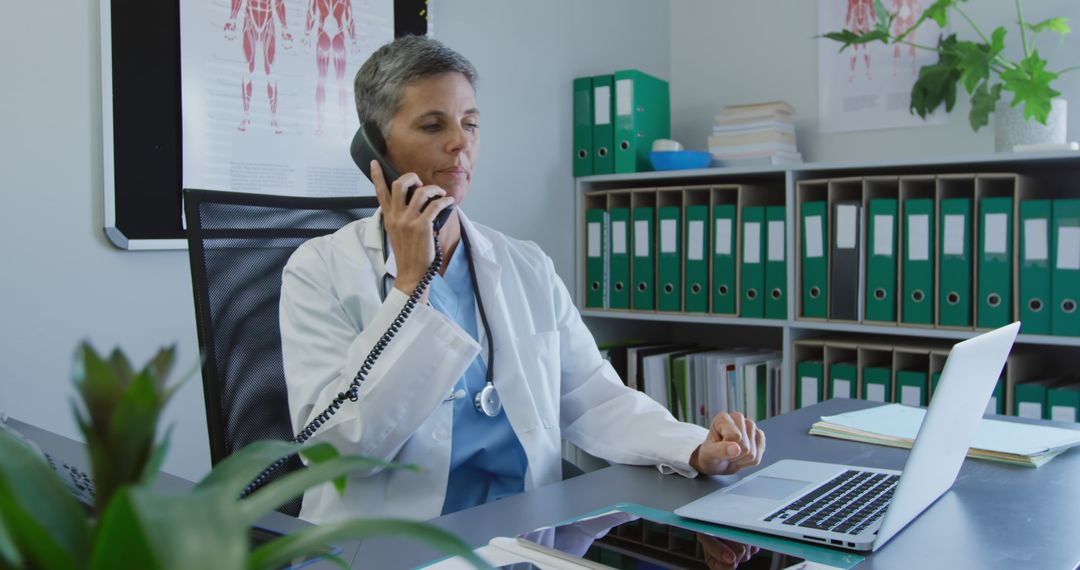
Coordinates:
(969, 377)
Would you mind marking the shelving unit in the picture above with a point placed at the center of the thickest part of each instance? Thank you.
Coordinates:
(1055, 174)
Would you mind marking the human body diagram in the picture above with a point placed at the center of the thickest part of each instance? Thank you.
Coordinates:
(259, 33)
(330, 21)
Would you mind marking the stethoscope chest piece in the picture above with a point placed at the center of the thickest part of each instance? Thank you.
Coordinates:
(487, 401)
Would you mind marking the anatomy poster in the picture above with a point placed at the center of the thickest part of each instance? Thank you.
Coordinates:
(869, 86)
(267, 95)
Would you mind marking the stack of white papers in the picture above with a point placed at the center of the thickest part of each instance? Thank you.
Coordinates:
(1006, 442)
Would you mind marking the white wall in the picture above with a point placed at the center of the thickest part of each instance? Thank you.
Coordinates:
(527, 54)
(63, 282)
(727, 52)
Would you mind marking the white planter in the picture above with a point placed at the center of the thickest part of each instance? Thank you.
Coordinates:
(1011, 128)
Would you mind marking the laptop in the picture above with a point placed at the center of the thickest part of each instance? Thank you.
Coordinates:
(861, 508)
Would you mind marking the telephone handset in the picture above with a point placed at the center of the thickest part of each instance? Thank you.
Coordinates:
(367, 145)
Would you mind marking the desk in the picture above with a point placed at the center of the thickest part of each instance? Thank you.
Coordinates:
(995, 516)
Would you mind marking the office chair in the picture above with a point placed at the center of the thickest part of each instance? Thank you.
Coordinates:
(238, 245)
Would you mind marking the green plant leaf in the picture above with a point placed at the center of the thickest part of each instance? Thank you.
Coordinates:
(849, 38)
(314, 539)
(157, 458)
(321, 454)
(234, 472)
(1030, 85)
(121, 367)
(937, 82)
(161, 365)
(997, 41)
(96, 383)
(938, 12)
(281, 491)
(9, 552)
(973, 62)
(983, 102)
(171, 532)
(42, 518)
(1059, 25)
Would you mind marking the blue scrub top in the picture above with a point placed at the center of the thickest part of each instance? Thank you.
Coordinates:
(487, 461)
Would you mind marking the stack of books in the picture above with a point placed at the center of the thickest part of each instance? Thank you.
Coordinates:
(760, 134)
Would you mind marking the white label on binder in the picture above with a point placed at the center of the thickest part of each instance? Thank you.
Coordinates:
(883, 235)
(776, 240)
(751, 242)
(641, 238)
(1035, 247)
(667, 236)
(695, 236)
(875, 392)
(723, 236)
(624, 96)
(1030, 410)
(1068, 248)
(602, 97)
(954, 235)
(997, 233)
(618, 237)
(594, 239)
(991, 406)
(845, 226)
(918, 247)
(815, 246)
(910, 395)
(808, 387)
(841, 389)
(1063, 413)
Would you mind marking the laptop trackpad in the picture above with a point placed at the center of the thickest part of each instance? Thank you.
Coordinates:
(769, 487)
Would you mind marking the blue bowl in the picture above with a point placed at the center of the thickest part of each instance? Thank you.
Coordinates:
(679, 159)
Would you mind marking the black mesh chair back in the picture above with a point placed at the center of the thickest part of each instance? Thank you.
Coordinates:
(238, 245)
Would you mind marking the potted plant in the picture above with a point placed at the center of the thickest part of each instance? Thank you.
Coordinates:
(133, 526)
(985, 72)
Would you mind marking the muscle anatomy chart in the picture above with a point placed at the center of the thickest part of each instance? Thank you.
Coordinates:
(256, 116)
(869, 86)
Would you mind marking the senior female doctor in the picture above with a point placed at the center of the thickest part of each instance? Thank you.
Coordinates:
(496, 318)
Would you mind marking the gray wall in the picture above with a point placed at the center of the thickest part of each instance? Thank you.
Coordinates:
(727, 52)
(63, 282)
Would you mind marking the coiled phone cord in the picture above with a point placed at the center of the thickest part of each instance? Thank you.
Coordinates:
(352, 393)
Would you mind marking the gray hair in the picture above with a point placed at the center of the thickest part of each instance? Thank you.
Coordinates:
(380, 82)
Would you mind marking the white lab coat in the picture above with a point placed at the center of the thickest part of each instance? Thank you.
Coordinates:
(548, 372)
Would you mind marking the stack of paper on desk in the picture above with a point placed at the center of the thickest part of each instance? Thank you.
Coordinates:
(896, 425)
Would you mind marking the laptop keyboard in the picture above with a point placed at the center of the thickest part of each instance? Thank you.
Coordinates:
(849, 503)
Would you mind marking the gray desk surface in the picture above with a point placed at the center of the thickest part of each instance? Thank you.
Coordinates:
(995, 516)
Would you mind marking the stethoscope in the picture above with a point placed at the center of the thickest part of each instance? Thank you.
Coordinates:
(487, 400)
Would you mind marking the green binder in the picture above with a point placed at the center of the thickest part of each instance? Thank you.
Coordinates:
(815, 264)
(679, 389)
(619, 283)
(1034, 264)
(1063, 402)
(596, 261)
(877, 384)
(995, 262)
(996, 405)
(843, 380)
(1065, 281)
(934, 379)
(954, 291)
(775, 263)
(810, 386)
(1029, 399)
(724, 291)
(753, 269)
(918, 300)
(696, 292)
(670, 266)
(911, 387)
(644, 264)
(881, 261)
(642, 115)
(583, 126)
(603, 134)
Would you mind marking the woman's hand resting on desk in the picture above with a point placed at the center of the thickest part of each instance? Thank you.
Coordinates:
(734, 443)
